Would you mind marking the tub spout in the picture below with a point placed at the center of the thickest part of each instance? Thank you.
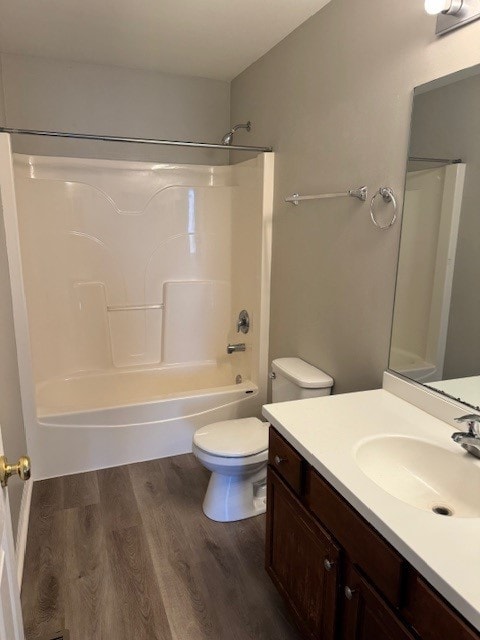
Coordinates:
(232, 348)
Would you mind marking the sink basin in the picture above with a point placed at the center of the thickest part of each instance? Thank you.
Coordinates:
(423, 474)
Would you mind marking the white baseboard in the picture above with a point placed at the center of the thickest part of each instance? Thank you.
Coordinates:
(22, 531)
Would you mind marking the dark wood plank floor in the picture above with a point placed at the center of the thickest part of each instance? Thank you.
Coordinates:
(127, 554)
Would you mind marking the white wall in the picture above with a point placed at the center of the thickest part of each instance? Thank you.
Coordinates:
(48, 94)
(334, 99)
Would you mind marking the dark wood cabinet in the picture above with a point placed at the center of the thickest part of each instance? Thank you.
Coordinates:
(341, 579)
(286, 461)
(384, 567)
(429, 614)
(303, 561)
(366, 616)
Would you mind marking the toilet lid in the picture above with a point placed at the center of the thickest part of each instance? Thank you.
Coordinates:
(233, 438)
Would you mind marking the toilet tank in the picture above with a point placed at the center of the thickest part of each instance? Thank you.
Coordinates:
(295, 379)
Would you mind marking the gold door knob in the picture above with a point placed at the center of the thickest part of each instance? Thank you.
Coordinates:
(6, 469)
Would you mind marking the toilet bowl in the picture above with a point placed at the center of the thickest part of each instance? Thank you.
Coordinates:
(236, 451)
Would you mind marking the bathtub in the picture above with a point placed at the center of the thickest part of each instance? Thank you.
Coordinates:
(112, 418)
(140, 275)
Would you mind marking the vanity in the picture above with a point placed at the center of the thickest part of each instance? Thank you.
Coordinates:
(356, 540)
(373, 511)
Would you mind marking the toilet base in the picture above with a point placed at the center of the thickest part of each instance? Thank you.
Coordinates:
(231, 498)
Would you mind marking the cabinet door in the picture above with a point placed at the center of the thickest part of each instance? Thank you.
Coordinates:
(302, 561)
(366, 616)
(430, 616)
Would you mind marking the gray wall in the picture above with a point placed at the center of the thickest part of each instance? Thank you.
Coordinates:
(49, 94)
(447, 125)
(2, 97)
(334, 99)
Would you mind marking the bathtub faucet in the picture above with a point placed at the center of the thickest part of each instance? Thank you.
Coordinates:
(232, 348)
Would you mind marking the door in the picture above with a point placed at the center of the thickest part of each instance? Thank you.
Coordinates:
(366, 615)
(302, 561)
(11, 624)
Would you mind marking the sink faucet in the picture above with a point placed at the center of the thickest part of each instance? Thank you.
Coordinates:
(232, 348)
(469, 440)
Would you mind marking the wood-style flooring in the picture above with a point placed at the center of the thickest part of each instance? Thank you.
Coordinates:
(127, 554)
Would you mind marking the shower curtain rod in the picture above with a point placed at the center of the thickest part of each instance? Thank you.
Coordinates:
(169, 143)
(442, 160)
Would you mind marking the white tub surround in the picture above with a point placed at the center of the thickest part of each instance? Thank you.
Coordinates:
(329, 431)
(130, 264)
(127, 281)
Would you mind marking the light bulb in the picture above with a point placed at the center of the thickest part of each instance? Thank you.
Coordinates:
(433, 7)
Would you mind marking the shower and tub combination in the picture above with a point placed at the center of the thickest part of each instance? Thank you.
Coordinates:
(127, 283)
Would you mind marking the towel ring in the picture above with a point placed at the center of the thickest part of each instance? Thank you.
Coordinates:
(388, 196)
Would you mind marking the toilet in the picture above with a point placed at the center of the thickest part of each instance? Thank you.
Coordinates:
(236, 451)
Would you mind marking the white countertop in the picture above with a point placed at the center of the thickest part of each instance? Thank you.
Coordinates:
(326, 432)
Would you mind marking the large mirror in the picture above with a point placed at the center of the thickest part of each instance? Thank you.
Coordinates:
(436, 323)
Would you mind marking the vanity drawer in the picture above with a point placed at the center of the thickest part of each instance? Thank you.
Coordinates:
(285, 460)
(430, 616)
(366, 549)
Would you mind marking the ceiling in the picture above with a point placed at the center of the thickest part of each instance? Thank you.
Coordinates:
(207, 38)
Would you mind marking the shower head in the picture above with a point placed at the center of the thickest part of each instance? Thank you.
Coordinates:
(227, 138)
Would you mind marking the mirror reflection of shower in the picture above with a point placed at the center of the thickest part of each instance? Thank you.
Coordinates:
(431, 218)
(228, 137)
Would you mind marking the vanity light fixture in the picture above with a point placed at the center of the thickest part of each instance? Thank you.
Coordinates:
(452, 14)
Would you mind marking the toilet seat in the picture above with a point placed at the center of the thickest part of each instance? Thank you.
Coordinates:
(229, 465)
(238, 438)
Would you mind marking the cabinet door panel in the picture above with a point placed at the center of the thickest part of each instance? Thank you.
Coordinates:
(366, 614)
(296, 555)
(364, 546)
(430, 616)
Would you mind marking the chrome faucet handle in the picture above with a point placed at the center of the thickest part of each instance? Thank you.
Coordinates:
(243, 322)
(473, 422)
